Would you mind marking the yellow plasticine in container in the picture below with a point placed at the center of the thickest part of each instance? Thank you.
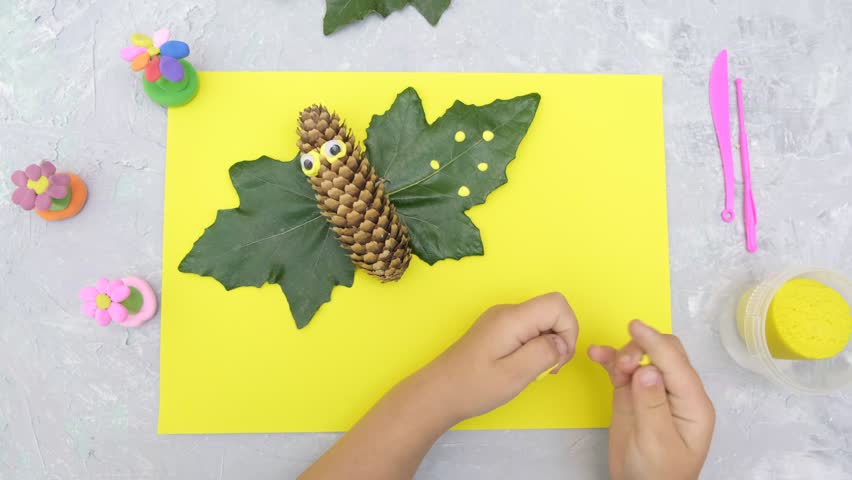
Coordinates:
(807, 321)
(794, 328)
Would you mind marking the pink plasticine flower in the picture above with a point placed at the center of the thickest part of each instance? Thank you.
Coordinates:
(102, 302)
(38, 185)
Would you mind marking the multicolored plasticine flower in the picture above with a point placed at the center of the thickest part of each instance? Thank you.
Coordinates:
(103, 301)
(38, 186)
(158, 56)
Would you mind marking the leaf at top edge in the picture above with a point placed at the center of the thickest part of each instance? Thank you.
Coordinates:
(339, 13)
(276, 235)
(436, 172)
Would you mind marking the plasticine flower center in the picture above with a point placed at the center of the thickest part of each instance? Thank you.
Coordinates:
(38, 186)
(103, 301)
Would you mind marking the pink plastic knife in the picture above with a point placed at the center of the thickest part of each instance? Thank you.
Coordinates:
(721, 110)
(749, 210)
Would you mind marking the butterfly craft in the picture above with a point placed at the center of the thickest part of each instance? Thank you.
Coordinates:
(307, 224)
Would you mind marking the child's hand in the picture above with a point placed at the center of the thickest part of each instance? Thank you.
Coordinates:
(662, 420)
(508, 347)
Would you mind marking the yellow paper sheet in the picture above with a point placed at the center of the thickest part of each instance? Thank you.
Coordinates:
(583, 213)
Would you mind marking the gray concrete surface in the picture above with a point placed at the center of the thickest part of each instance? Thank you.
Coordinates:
(78, 401)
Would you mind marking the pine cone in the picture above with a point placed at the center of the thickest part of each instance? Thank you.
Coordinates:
(352, 197)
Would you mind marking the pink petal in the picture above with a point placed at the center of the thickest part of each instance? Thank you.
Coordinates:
(89, 309)
(118, 291)
(129, 53)
(43, 201)
(60, 179)
(47, 168)
(57, 191)
(102, 317)
(161, 36)
(24, 197)
(117, 312)
(19, 178)
(89, 294)
(102, 286)
(33, 172)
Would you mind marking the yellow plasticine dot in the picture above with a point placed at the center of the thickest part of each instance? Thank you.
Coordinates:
(644, 361)
(460, 136)
(141, 40)
(39, 186)
(482, 167)
(541, 376)
(103, 301)
(434, 164)
(488, 135)
(464, 191)
(153, 51)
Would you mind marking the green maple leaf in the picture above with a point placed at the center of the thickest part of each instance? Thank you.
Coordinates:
(341, 12)
(276, 235)
(433, 179)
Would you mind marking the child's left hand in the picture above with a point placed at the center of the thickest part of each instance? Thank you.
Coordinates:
(507, 348)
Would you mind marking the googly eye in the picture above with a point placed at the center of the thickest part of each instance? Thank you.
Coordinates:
(310, 163)
(334, 150)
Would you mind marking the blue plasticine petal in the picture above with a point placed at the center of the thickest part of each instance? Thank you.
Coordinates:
(175, 49)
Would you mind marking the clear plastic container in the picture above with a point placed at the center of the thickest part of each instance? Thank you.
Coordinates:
(751, 351)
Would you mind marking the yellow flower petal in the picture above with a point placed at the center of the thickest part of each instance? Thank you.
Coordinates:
(141, 40)
(153, 51)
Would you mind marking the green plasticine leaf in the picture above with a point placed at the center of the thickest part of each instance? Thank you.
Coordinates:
(57, 204)
(403, 148)
(339, 13)
(276, 235)
(134, 301)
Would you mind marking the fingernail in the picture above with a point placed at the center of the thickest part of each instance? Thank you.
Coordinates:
(641, 328)
(626, 361)
(561, 345)
(649, 377)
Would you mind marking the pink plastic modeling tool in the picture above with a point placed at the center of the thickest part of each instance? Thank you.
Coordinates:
(721, 110)
(749, 210)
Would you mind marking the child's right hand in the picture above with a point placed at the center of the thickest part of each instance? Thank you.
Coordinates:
(662, 419)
